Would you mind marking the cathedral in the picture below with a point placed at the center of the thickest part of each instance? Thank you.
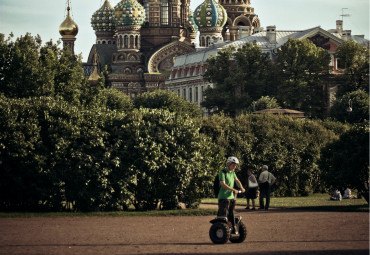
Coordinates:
(138, 40)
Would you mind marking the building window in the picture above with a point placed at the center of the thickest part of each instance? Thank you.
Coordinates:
(184, 94)
(202, 91)
(340, 64)
(190, 94)
(196, 94)
(178, 92)
(164, 12)
(125, 41)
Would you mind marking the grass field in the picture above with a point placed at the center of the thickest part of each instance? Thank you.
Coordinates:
(316, 202)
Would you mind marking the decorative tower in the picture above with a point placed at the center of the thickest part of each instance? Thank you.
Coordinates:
(103, 24)
(192, 28)
(242, 21)
(210, 17)
(94, 76)
(68, 30)
(129, 16)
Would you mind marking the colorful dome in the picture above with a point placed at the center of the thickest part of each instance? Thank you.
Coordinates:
(129, 13)
(102, 19)
(192, 21)
(210, 14)
(68, 28)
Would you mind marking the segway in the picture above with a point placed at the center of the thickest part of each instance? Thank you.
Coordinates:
(222, 230)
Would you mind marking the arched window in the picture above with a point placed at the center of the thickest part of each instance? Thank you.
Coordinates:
(164, 12)
(125, 41)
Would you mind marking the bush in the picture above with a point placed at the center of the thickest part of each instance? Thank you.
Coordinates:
(290, 147)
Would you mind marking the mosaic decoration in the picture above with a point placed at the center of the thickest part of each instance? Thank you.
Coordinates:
(129, 13)
(192, 21)
(102, 19)
(210, 14)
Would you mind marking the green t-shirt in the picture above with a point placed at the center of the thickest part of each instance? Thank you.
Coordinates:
(230, 178)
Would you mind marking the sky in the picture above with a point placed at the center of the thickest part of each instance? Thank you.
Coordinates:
(43, 17)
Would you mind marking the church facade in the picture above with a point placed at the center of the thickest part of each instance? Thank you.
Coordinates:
(138, 40)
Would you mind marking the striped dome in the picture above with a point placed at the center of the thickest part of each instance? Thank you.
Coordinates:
(210, 14)
(102, 19)
(129, 13)
(192, 21)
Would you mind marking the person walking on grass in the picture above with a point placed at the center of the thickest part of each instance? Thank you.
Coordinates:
(252, 190)
(265, 180)
(227, 194)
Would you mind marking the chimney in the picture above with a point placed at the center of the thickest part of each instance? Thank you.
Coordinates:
(244, 31)
(339, 26)
(346, 35)
(271, 34)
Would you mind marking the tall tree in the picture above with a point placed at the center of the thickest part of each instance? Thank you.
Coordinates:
(28, 69)
(352, 107)
(239, 76)
(356, 66)
(346, 161)
(302, 67)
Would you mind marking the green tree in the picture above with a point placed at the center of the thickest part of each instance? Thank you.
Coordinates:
(29, 69)
(352, 107)
(290, 147)
(345, 162)
(302, 67)
(356, 70)
(239, 77)
(264, 102)
(162, 99)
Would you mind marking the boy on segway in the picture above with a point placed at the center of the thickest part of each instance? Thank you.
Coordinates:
(225, 225)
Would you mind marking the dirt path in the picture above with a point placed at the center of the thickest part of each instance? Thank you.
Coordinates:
(272, 232)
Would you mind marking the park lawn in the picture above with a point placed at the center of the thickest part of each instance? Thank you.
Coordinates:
(316, 202)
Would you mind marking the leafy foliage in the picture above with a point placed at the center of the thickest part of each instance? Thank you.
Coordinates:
(345, 162)
(302, 67)
(352, 107)
(356, 59)
(265, 102)
(239, 77)
(162, 99)
(290, 147)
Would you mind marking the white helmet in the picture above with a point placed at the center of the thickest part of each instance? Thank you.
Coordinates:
(233, 160)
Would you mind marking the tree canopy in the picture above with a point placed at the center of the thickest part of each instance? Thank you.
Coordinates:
(239, 76)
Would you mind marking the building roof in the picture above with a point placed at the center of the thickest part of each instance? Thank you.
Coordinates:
(276, 111)
(261, 39)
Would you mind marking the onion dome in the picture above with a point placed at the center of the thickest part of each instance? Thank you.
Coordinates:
(68, 28)
(210, 14)
(102, 19)
(192, 21)
(129, 13)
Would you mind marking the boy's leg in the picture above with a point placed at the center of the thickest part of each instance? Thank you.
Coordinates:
(223, 207)
(230, 216)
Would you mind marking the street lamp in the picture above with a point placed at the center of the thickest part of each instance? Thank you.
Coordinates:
(349, 109)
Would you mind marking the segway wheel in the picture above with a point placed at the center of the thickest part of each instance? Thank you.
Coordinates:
(242, 234)
(219, 233)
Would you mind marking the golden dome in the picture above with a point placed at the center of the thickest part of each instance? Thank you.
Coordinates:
(68, 28)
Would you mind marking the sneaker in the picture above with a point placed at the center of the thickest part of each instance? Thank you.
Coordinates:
(253, 209)
(247, 208)
(261, 208)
